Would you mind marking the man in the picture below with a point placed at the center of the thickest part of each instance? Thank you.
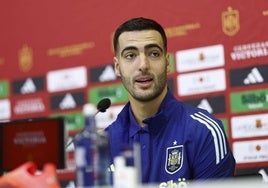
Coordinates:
(177, 141)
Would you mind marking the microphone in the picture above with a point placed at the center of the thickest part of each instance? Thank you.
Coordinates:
(102, 106)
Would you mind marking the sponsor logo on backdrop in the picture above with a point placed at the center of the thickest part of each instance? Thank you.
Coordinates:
(201, 82)
(28, 85)
(200, 58)
(70, 50)
(249, 100)
(213, 105)
(5, 109)
(249, 75)
(204, 104)
(251, 151)
(72, 121)
(116, 93)
(105, 119)
(249, 51)
(67, 101)
(29, 106)
(171, 60)
(182, 30)
(67, 79)
(249, 126)
(230, 21)
(102, 74)
(253, 77)
(4, 88)
(25, 58)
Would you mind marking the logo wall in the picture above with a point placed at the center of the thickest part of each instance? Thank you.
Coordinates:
(5, 109)
(67, 101)
(66, 79)
(28, 106)
(218, 64)
(28, 85)
(249, 75)
(201, 82)
(200, 72)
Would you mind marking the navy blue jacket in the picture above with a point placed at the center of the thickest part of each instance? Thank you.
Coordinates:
(179, 142)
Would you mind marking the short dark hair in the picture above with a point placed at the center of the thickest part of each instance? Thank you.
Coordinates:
(139, 24)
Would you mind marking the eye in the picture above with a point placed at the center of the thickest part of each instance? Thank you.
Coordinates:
(130, 56)
(155, 54)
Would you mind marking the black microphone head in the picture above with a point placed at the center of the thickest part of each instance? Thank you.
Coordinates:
(103, 104)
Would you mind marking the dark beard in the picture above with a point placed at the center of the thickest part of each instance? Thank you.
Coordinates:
(161, 84)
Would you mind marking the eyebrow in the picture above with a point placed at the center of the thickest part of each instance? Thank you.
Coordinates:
(153, 46)
(128, 48)
(148, 46)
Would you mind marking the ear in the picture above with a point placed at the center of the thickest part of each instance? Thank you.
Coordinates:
(116, 67)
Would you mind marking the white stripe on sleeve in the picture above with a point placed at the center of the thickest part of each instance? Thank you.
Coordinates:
(217, 133)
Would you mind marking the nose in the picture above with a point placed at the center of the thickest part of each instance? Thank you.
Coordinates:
(144, 63)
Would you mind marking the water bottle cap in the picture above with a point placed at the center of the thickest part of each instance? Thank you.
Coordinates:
(89, 109)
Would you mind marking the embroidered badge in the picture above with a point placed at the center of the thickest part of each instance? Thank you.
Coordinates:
(174, 159)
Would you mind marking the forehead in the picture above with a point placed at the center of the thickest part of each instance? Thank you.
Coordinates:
(139, 39)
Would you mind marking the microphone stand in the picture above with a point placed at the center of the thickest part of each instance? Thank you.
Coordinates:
(81, 132)
(102, 106)
(92, 149)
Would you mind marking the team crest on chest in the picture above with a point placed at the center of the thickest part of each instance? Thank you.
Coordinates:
(174, 159)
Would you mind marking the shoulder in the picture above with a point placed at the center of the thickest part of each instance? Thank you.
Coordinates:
(199, 117)
(191, 115)
(205, 125)
(198, 123)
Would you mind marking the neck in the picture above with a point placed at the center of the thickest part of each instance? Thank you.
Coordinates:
(143, 110)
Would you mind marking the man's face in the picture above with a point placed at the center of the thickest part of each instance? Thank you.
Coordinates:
(142, 63)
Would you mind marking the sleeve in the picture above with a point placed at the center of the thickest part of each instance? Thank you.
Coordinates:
(213, 156)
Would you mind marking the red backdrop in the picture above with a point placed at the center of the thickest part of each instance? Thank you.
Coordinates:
(219, 53)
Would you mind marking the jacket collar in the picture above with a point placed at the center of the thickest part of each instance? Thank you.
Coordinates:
(154, 123)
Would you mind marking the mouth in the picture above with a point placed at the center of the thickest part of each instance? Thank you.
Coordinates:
(144, 81)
